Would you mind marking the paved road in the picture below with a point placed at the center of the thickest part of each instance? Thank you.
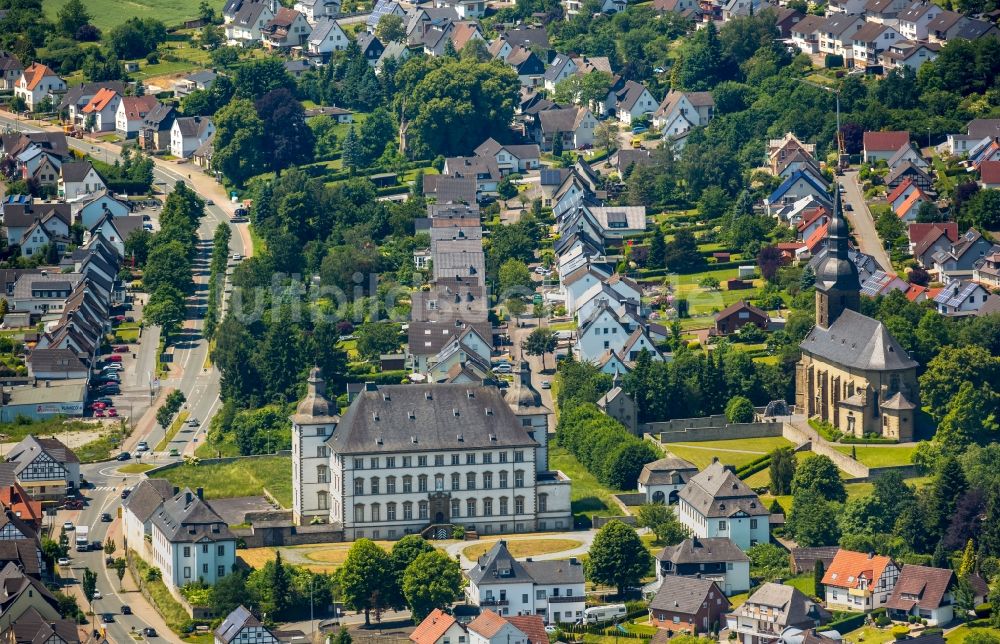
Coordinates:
(188, 374)
(861, 220)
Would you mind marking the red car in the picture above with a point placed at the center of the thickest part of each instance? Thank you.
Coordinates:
(99, 413)
(98, 405)
(112, 412)
(121, 348)
(118, 318)
(113, 358)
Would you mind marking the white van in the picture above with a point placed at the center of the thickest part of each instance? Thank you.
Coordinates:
(601, 614)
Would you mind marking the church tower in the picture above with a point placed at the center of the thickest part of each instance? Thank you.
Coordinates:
(837, 284)
(313, 423)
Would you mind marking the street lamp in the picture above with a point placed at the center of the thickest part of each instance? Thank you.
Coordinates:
(836, 92)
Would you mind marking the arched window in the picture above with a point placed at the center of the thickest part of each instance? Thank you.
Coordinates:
(390, 511)
(487, 480)
(375, 485)
(659, 497)
(323, 500)
(359, 513)
(543, 502)
(470, 508)
(470, 481)
(674, 497)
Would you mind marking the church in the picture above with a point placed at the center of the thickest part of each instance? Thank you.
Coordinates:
(853, 373)
(422, 458)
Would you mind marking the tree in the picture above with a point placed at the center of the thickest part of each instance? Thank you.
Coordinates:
(257, 77)
(948, 487)
(768, 562)
(812, 520)
(514, 278)
(506, 189)
(817, 472)
(682, 253)
(366, 578)
(350, 152)
(971, 417)
(782, 470)
(167, 266)
(769, 261)
(983, 210)
(540, 341)
(279, 588)
(229, 592)
(606, 135)
(405, 552)
(390, 28)
(377, 338)
(433, 580)
(166, 308)
(72, 16)
(968, 565)
(89, 585)
(120, 566)
(739, 409)
(818, 574)
(110, 546)
(657, 250)
(136, 37)
(240, 152)
(290, 140)
(663, 522)
(617, 557)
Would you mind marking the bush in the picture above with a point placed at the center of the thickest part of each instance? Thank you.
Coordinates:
(739, 409)
(604, 446)
(899, 632)
(984, 610)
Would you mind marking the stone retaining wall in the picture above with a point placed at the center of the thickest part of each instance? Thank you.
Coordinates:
(716, 428)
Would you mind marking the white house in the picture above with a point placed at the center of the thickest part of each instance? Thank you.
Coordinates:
(602, 332)
(633, 101)
(960, 298)
(116, 230)
(242, 627)
(38, 81)
(132, 110)
(246, 27)
(716, 503)
(92, 209)
(405, 458)
(662, 480)
(316, 10)
(327, 37)
(78, 179)
(553, 589)
(138, 510)
(859, 581)
(288, 28)
(510, 158)
(491, 628)
(190, 541)
(717, 559)
(439, 627)
(913, 21)
(189, 132)
(44, 467)
(561, 67)
(924, 592)
(465, 9)
(623, 296)
(578, 282)
(103, 107)
(575, 125)
(682, 111)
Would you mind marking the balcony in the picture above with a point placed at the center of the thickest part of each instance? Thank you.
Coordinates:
(566, 600)
(489, 601)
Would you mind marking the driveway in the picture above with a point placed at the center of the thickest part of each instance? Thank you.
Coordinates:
(861, 220)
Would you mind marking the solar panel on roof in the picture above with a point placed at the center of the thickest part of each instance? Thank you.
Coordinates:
(550, 177)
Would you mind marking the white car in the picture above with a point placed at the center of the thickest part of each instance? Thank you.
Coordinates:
(237, 257)
(142, 446)
(62, 561)
(68, 526)
(97, 594)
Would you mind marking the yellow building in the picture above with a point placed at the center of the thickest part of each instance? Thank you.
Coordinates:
(853, 374)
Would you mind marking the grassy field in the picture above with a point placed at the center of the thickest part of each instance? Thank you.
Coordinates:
(245, 477)
(172, 431)
(523, 547)
(869, 635)
(168, 607)
(57, 427)
(982, 626)
(804, 583)
(108, 13)
(100, 449)
(588, 496)
(731, 452)
(880, 456)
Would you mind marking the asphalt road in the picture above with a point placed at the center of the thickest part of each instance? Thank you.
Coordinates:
(861, 220)
(189, 375)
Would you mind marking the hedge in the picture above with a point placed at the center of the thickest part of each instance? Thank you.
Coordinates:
(380, 377)
(604, 446)
(848, 624)
(754, 466)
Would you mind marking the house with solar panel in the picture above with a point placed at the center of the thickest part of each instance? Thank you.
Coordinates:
(853, 373)
(961, 298)
(383, 8)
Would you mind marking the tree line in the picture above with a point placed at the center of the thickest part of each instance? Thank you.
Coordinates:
(603, 445)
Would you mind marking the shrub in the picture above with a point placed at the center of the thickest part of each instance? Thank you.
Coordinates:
(882, 620)
(604, 446)
(983, 610)
(899, 632)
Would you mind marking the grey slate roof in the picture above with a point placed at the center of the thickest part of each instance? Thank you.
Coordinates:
(683, 595)
(411, 418)
(716, 492)
(28, 449)
(857, 341)
(703, 550)
(185, 518)
(662, 471)
(235, 622)
(498, 567)
(147, 496)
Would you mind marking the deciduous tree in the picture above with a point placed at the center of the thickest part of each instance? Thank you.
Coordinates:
(617, 557)
(433, 580)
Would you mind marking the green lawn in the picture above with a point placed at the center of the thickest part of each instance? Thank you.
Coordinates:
(172, 431)
(763, 477)
(108, 13)
(880, 456)
(245, 477)
(958, 635)
(869, 635)
(805, 584)
(731, 452)
(588, 496)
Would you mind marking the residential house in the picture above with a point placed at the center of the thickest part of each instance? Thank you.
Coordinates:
(561, 68)
(79, 178)
(131, 113)
(439, 627)
(737, 315)
(26, 596)
(770, 610)
(913, 22)
(465, 9)
(187, 133)
(116, 230)
(71, 103)
(574, 126)
(883, 145)
(903, 190)
(856, 7)
(398, 51)
(686, 8)
(785, 19)
(552, 589)
(242, 627)
(859, 581)
(288, 28)
(327, 37)
(662, 480)
(45, 467)
(806, 33)
(18, 219)
(529, 67)
(798, 185)
(634, 100)
(924, 593)
(603, 331)
(385, 8)
(870, 41)
(491, 628)
(811, 220)
(483, 169)
(907, 170)
(637, 342)
(837, 35)
(689, 605)
(101, 110)
(987, 271)
(138, 510)
(450, 189)
(11, 70)
(318, 10)
(510, 158)
(716, 503)
(884, 11)
(716, 559)
(616, 222)
(371, 47)
(246, 26)
(620, 293)
(575, 284)
(960, 298)
(90, 210)
(623, 161)
(909, 208)
(619, 405)
(36, 83)
(190, 541)
(33, 626)
(154, 133)
(196, 81)
(939, 28)
(989, 175)
(680, 112)
(906, 53)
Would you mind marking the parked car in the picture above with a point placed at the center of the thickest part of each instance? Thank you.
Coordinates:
(110, 390)
(113, 358)
(639, 129)
(104, 401)
(112, 412)
(98, 405)
(100, 413)
(121, 348)
(105, 517)
(62, 561)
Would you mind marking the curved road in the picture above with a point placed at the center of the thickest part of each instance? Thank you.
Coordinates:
(188, 374)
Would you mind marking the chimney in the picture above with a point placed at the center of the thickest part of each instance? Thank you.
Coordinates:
(187, 498)
(201, 493)
(871, 555)
(177, 490)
